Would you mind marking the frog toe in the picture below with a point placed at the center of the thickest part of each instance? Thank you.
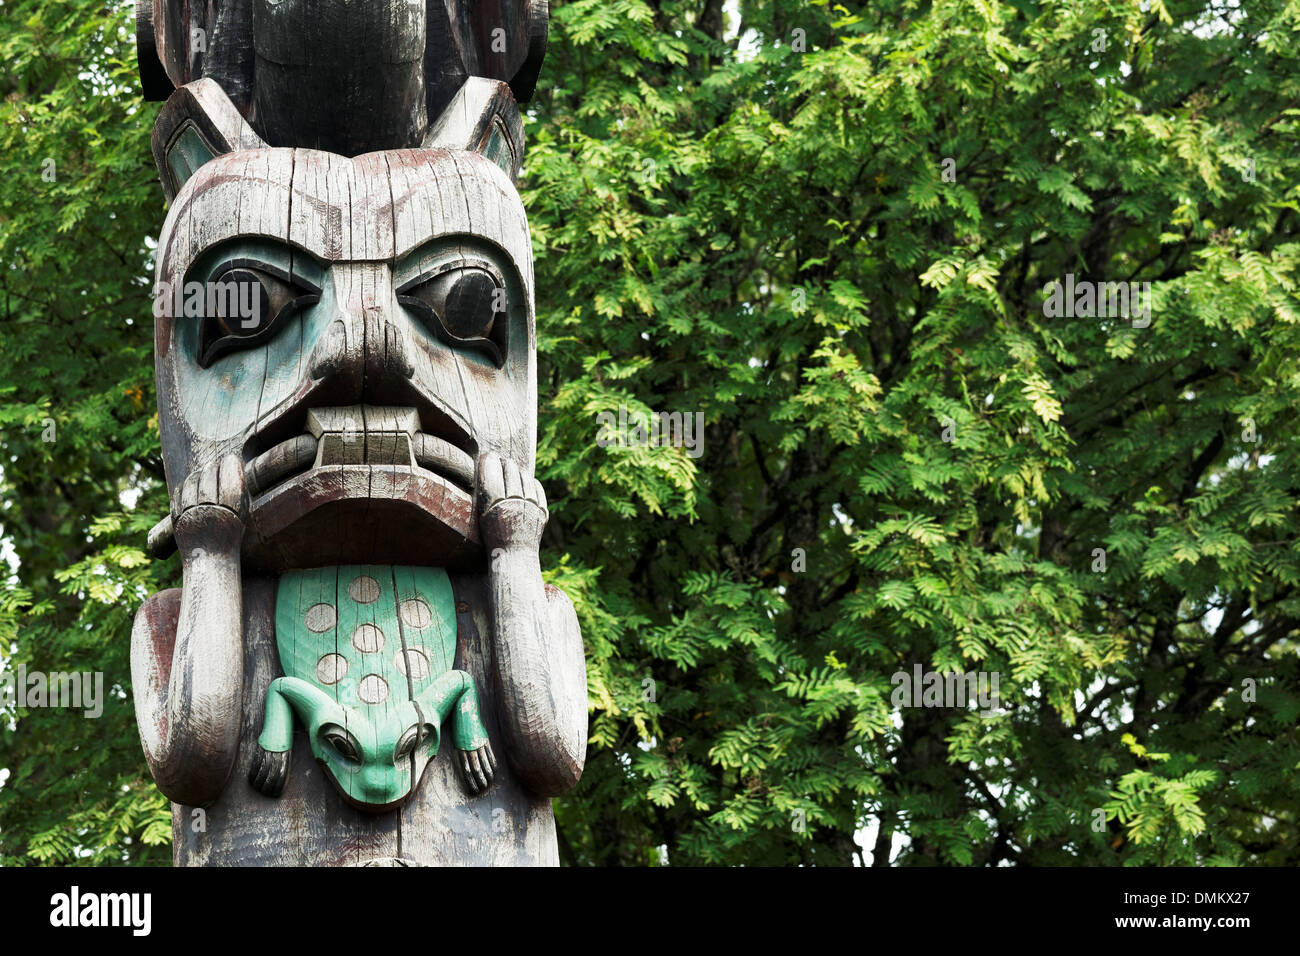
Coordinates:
(269, 772)
(478, 767)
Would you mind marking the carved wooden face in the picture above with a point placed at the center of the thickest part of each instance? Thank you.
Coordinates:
(360, 331)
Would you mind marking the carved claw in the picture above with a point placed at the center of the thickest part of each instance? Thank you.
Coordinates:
(511, 505)
(211, 504)
(218, 483)
(269, 772)
(478, 767)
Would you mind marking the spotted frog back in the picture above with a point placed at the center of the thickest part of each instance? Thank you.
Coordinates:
(371, 636)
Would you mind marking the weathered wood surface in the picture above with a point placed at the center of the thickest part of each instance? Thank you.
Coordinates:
(202, 112)
(482, 118)
(311, 824)
(376, 415)
(184, 650)
(357, 232)
(347, 77)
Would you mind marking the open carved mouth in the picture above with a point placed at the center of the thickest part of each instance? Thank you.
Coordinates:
(360, 435)
(360, 484)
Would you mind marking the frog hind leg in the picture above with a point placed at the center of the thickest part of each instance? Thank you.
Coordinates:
(455, 693)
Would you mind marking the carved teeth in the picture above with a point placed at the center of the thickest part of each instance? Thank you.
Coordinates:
(351, 435)
(383, 435)
(364, 435)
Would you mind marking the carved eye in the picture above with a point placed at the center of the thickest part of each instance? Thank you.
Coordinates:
(406, 746)
(464, 306)
(342, 743)
(241, 306)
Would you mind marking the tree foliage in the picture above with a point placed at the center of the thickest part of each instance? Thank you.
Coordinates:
(830, 230)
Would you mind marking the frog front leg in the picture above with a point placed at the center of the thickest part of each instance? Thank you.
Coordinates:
(287, 696)
(187, 661)
(269, 770)
(455, 691)
(538, 655)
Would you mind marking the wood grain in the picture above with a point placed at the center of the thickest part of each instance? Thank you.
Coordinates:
(341, 76)
(412, 193)
(311, 824)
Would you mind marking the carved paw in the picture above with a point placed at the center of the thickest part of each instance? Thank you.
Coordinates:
(478, 767)
(269, 772)
(511, 505)
(209, 507)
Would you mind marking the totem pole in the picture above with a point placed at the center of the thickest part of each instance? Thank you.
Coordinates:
(363, 665)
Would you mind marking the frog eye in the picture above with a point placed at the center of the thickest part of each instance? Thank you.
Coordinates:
(343, 744)
(406, 746)
(464, 306)
(412, 739)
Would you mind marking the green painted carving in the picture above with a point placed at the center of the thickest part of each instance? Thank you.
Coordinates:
(188, 151)
(368, 653)
(498, 148)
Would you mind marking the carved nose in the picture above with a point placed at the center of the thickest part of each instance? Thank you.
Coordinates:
(328, 357)
(365, 352)
(377, 786)
(387, 345)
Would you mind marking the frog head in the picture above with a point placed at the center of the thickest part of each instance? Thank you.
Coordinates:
(374, 759)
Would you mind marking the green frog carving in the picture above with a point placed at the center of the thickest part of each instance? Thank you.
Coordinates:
(368, 653)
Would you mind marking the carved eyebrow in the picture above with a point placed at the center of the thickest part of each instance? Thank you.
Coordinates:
(271, 268)
(284, 261)
(438, 269)
(318, 227)
(452, 252)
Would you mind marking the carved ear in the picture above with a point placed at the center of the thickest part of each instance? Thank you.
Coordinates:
(197, 123)
(482, 118)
